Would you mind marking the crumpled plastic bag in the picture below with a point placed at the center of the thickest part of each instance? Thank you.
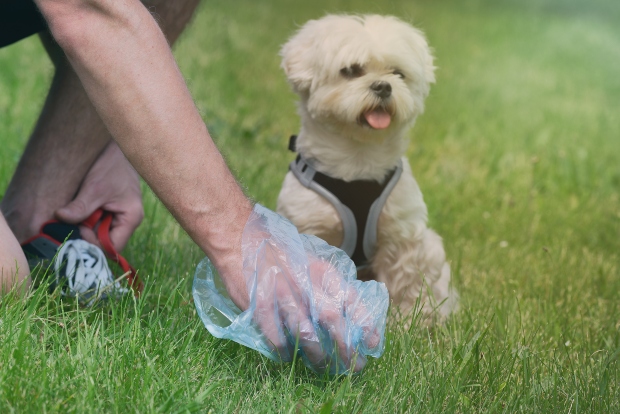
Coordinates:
(303, 294)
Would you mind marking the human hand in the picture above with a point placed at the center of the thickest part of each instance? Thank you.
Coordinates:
(113, 185)
(303, 293)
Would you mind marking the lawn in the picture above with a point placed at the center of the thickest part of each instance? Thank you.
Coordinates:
(518, 156)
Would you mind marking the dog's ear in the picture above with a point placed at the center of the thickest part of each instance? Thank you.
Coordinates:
(298, 60)
(427, 61)
(419, 46)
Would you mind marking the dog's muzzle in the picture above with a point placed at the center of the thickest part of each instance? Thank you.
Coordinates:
(382, 89)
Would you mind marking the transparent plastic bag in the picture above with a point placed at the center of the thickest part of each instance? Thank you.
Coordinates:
(303, 293)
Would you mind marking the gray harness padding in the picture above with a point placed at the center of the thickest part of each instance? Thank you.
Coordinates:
(358, 203)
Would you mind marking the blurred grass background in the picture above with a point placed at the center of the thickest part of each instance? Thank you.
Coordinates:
(518, 157)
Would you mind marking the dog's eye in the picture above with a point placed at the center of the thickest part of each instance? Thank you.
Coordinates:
(353, 71)
(399, 74)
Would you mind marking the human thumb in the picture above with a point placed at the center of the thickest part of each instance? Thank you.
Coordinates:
(75, 212)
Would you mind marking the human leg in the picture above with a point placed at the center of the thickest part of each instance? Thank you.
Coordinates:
(65, 142)
(13, 265)
(172, 16)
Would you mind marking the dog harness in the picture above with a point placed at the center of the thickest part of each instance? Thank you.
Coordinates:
(358, 203)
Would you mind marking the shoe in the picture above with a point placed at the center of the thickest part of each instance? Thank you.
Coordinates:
(80, 269)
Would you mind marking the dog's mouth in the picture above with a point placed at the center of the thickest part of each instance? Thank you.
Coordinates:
(378, 118)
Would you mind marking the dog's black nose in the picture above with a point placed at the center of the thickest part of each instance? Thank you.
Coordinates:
(381, 88)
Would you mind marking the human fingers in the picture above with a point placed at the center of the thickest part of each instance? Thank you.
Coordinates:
(341, 312)
(362, 317)
(273, 283)
(124, 224)
(333, 322)
(80, 208)
(89, 235)
(269, 287)
(282, 312)
(302, 332)
(329, 290)
(271, 328)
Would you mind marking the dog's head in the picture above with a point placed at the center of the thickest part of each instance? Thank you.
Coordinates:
(365, 76)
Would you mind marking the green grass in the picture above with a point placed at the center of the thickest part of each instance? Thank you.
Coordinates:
(518, 156)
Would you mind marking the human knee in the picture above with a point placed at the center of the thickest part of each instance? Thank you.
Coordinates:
(54, 51)
(172, 16)
(70, 21)
(63, 19)
(14, 272)
(14, 268)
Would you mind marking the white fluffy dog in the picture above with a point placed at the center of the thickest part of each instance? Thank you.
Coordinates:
(362, 81)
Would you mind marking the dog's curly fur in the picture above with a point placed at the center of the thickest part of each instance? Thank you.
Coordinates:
(334, 64)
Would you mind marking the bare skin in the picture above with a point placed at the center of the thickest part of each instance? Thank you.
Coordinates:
(13, 265)
(113, 185)
(71, 166)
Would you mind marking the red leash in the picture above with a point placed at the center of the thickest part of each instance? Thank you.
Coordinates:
(100, 222)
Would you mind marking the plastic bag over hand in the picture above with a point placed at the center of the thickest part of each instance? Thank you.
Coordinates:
(303, 294)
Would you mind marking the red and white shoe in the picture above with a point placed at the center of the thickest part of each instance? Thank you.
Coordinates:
(79, 268)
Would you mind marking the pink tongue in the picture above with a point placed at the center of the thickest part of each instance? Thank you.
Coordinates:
(378, 119)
